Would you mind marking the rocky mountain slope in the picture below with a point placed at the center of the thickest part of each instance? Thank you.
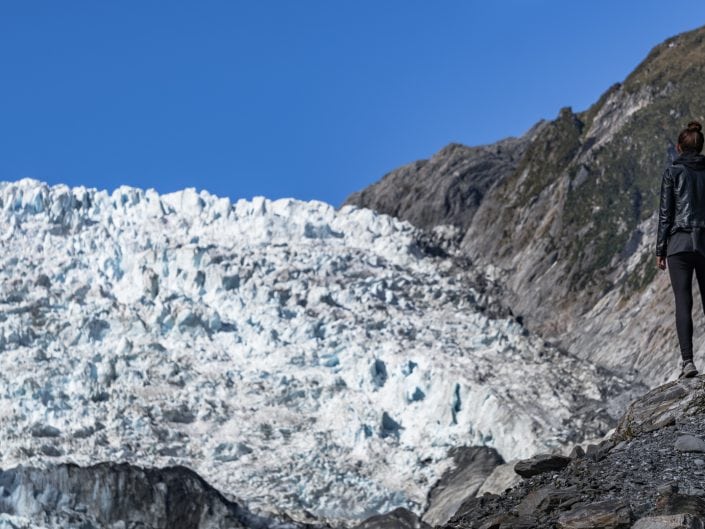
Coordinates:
(568, 223)
(311, 363)
(416, 193)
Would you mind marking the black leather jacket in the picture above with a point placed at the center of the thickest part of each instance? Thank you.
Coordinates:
(682, 197)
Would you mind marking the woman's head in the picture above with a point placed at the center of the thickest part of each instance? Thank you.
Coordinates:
(691, 138)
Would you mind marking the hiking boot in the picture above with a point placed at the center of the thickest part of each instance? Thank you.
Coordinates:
(688, 369)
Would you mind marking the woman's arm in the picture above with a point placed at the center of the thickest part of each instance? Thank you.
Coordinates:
(666, 213)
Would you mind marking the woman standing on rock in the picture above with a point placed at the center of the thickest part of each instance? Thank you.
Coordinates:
(681, 234)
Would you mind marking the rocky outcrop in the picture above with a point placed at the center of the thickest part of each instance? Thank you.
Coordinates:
(647, 474)
(447, 188)
(539, 464)
(607, 514)
(503, 477)
(662, 406)
(676, 521)
(569, 226)
(472, 466)
(121, 496)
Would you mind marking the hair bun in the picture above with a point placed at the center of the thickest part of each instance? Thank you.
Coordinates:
(695, 126)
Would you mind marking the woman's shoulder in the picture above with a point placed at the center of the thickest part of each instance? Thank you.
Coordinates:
(674, 168)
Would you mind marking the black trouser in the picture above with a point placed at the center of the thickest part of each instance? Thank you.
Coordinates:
(680, 268)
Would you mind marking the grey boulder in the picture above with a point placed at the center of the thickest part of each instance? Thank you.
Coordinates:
(690, 443)
(677, 521)
(541, 463)
(608, 514)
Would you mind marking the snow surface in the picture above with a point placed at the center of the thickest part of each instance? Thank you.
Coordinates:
(303, 359)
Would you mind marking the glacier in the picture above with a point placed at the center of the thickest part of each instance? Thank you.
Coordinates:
(305, 360)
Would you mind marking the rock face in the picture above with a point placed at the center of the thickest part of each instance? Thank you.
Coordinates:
(637, 478)
(662, 406)
(449, 187)
(676, 521)
(502, 477)
(540, 463)
(121, 495)
(607, 514)
(472, 466)
(569, 228)
(690, 443)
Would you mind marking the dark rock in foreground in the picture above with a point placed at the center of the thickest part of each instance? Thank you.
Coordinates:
(122, 495)
(606, 514)
(540, 463)
(661, 407)
(677, 521)
(473, 464)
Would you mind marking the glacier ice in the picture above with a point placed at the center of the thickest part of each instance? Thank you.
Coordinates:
(302, 358)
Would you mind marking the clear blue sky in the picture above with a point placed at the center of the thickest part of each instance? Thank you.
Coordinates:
(312, 99)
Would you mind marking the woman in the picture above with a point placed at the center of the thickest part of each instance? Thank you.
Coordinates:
(680, 239)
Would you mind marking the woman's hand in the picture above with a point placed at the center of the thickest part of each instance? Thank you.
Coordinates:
(661, 262)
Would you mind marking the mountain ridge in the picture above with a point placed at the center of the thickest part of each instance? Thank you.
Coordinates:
(570, 227)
